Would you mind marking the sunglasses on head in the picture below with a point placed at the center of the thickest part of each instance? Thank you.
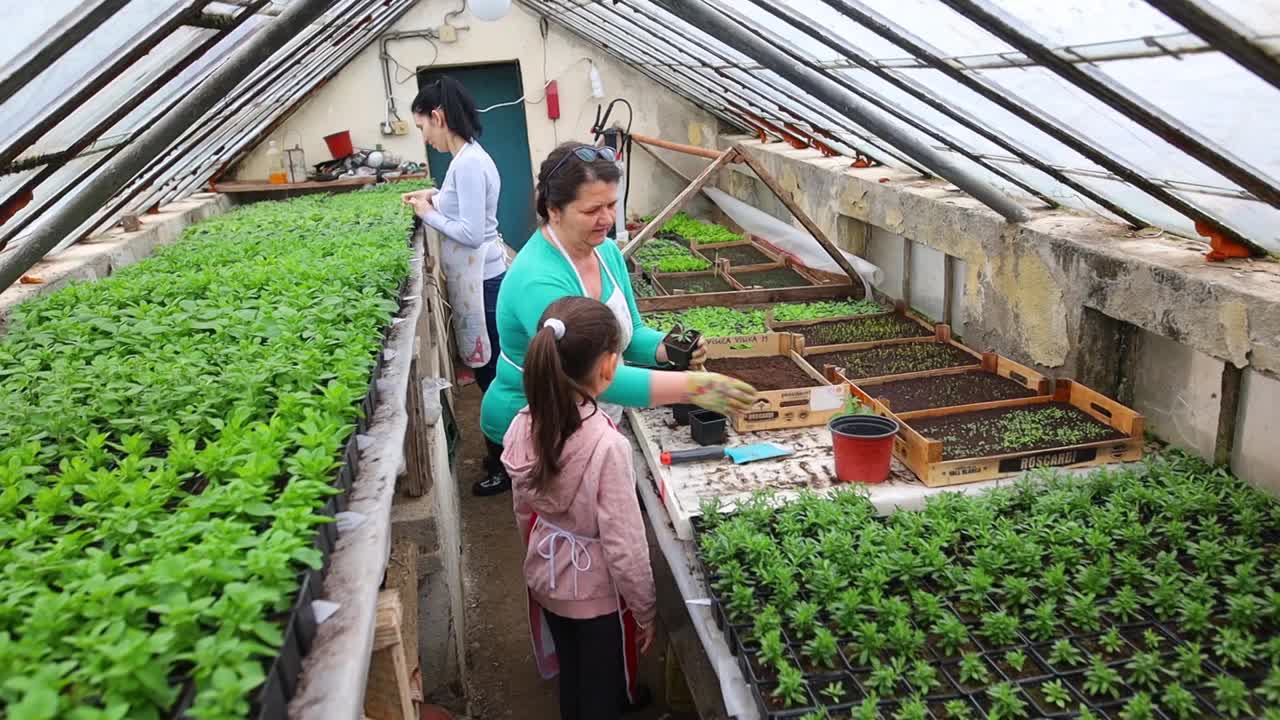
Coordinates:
(586, 153)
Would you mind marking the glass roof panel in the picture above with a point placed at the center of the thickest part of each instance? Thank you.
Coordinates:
(28, 21)
(939, 26)
(1080, 22)
(1258, 16)
(135, 19)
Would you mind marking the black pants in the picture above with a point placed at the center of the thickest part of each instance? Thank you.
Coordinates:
(592, 683)
(485, 374)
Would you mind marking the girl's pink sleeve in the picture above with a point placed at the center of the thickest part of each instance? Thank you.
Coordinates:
(622, 535)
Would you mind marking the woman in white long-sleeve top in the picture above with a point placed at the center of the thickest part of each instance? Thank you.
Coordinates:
(465, 211)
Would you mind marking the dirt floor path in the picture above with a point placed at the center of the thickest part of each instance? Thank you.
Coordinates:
(502, 682)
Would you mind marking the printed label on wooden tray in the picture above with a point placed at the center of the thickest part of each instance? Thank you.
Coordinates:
(827, 398)
(1053, 458)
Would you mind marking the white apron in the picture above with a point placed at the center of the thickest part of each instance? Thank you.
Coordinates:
(616, 302)
(464, 280)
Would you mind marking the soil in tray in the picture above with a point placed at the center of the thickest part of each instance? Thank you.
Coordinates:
(737, 254)
(696, 284)
(947, 391)
(894, 359)
(1009, 430)
(871, 329)
(777, 278)
(777, 372)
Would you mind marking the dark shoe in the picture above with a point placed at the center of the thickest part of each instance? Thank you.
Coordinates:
(492, 484)
(642, 700)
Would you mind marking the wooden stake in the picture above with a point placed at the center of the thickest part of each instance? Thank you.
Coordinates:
(387, 693)
(680, 201)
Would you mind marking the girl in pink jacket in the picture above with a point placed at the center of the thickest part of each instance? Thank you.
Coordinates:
(591, 589)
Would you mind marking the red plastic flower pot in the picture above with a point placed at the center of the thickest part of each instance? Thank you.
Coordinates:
(863, 446)
(339, 144)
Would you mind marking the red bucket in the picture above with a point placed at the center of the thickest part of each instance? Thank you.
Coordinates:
(863, 446)
(339, 144)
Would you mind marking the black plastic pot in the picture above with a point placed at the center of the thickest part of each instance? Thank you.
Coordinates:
(1047, 710)
(271, 701)
(679, 353)
(185, 699)
(304, 618)
(708, 427)
(680, 412)
(769, 712)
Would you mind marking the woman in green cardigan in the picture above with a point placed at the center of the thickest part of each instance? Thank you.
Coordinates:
(570, 254)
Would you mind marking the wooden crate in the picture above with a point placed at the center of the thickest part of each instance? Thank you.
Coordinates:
(805, 273)
(720, 270)
(924, 456)
(865, 390)
(778, 409)
(776, 259)
(936, 331)
(942, 334)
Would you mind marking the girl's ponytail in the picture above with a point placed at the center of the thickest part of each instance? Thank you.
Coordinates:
(573, 334)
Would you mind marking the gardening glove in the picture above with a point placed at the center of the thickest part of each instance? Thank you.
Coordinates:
(720, 393)
(699, 353)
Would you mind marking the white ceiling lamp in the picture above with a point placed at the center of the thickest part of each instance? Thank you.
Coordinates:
(489, 10)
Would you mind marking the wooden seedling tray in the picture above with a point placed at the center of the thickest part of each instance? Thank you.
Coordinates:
(805, 274)
(865, 390)
(778, 409)
(900, 310)
(776, 259)
(941, 334)
(924, 456)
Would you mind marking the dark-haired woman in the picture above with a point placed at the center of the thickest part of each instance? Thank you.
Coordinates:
(571, 255)
(465, 212)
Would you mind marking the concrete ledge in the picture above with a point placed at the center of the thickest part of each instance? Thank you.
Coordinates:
(100, 255)
(1027, 285)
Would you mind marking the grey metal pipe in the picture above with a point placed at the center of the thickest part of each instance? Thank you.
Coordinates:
(704, 17)
(134, 158)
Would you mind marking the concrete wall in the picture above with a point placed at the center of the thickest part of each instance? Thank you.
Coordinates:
(1077, 296)
(353, 100)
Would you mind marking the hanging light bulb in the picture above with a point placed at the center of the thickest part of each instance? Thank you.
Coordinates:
(489, 9)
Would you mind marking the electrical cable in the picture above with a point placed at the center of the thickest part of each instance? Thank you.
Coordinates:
(523, 98)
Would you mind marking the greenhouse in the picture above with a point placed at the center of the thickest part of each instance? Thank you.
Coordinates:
(655, 359)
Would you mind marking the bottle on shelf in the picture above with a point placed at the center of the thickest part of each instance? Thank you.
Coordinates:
(277, 173)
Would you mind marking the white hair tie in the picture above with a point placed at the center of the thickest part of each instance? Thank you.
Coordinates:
(556, 325)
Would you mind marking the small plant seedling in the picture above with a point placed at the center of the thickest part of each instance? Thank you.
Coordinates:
(912, 709)
(885, 677)
(952, 634)
(1139, 707)
(973, 670)
(1269, 690)
(773, 650)
(1230, 696)
(869, 708)
(1086, 714)
(1064, 654)
(1017, 659)
(1179, 703)
(790, 690)
(1043, 623)
(1000, 628)
(1112, 642)
(822, 648)
(1195, 616)
(1083, 611)
(1056, 694)
(1189, 661)
(819, 714)
(923, 677)
(1236, 648)
(1102, 681)
(958, 709)
(804, 618)
(834, 692)
(1144, 670)
(1006, 702)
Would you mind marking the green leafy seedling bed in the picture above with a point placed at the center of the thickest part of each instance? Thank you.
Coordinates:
(719, 321)
(947, 391)
(777, 278)
(860, 330)
(1008, 430)
(795, 312)
(982, 606)
(776, 372)
(666, 256)
(641, 286)
(699, 232)
(168, 439)
(894, 359)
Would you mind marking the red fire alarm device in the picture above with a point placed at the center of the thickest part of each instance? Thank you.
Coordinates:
(553, 100)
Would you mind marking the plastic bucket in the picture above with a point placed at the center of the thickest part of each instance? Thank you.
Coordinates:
(339, 144)
(863, 446)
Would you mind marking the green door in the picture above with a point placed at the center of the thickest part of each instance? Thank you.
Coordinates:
(504, 136)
